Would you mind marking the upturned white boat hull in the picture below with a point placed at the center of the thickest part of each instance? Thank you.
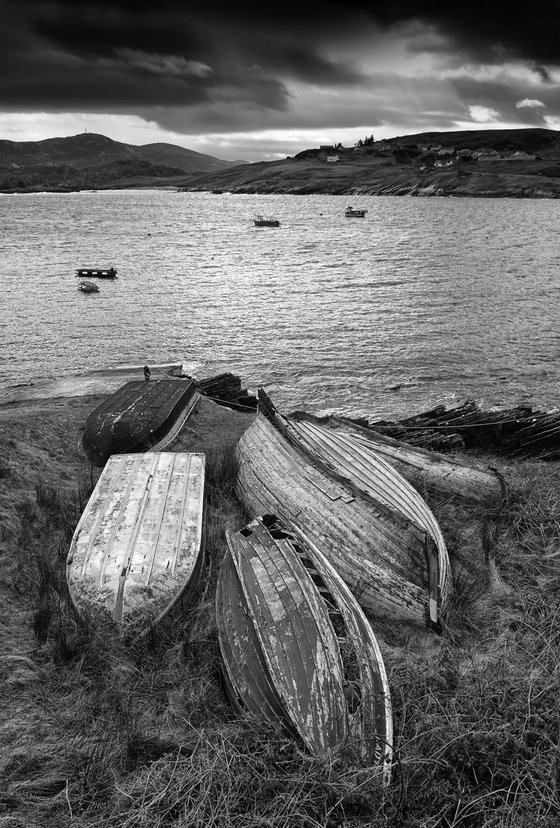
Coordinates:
(137, 553)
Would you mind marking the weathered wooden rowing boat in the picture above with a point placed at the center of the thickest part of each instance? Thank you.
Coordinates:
(138, 416)
(369, 474)
(428, 471)
(298, 649)
(137, 553)
(391, 564)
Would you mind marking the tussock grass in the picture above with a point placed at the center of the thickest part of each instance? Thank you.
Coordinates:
(100, 732)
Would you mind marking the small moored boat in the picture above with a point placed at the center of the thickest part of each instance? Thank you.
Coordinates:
(97, 272)
(88, 287)
(139, 416)
(137, 553)
(261, 221)
(354, 212)
(296, 647)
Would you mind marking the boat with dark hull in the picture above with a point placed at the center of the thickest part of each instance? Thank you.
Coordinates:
(355, 212)
(139, 416)
(297, 649)
(390, 562)
(429, 472)
(137, 554)
(97, 272)
(262, 221)
(88, 287)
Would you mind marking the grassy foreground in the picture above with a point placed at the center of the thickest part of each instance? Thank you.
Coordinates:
(94, 732)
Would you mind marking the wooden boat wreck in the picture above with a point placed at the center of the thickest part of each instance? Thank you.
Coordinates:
(297, 649)
(391, 563)
(429, 472)
(513, 432)
(137, 554)
(139, 416)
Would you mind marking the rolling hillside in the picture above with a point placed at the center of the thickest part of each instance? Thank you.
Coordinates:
(90, 160)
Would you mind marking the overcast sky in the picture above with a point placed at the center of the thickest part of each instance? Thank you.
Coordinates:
(265, 80)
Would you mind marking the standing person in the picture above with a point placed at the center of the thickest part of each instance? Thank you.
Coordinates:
(147, 373)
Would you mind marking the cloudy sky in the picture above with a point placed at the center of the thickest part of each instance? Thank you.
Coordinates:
(265, 80)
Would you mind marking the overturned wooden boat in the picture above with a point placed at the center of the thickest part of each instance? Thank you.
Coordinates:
(137, 553)
(140, 415)
(429, 472)
(391, 563)
(366, 472)
(296, 647)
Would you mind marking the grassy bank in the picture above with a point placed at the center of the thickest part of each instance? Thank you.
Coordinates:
(98, 733)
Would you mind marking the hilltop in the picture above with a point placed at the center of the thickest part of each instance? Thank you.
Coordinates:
(94, 161)
(520, 163)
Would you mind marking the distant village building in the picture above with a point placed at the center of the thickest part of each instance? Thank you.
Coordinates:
(489, 155)
(465, 153)
(521, 155)
(446, 151)
(443, 162)
(332, 159)
(326, 147)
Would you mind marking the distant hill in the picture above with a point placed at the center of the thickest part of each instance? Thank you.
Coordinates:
(514, 163)
(88, 160)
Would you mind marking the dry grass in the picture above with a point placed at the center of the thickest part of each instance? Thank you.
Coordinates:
(97, 732)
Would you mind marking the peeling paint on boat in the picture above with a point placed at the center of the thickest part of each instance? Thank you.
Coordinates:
(428, 471)
(294, 671)
(382, 554)
(137, 551)
(139, 416)
(377, 479)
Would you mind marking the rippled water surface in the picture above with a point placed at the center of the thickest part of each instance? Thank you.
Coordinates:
(423, 301)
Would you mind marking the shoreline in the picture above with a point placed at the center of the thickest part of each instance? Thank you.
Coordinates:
(117, 735)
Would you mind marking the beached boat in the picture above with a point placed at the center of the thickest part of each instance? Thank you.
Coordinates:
(261, 221)
(88, 287)
(390, 563)
(137, 417)
(298, 649)
(354, 212)
(137, 553)
(369, 474)
(429, 472)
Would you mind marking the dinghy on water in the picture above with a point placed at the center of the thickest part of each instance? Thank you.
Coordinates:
(139, 416)
(390, 563)
(136, 556)
(298, 649)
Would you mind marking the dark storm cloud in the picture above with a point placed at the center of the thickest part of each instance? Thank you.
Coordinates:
(117, 54)
(489, 30)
